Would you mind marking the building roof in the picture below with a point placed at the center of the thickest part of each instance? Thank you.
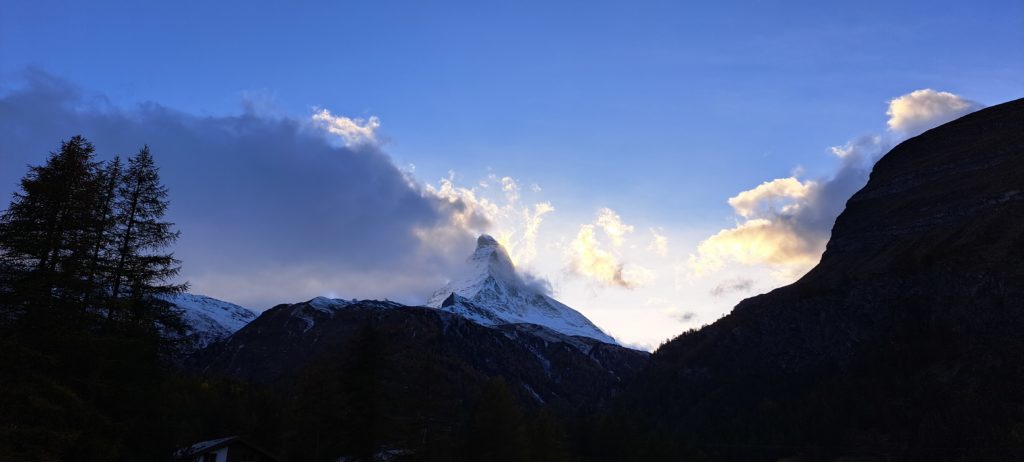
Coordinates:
(215, 444)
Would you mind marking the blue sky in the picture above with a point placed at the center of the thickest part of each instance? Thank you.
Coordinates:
(659, 111)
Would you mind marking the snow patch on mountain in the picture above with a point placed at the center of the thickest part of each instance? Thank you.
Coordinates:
(208, 319)
(490, 292)
(309, 311)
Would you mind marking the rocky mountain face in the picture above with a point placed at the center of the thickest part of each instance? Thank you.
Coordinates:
(491, 292)
(904, 343)
(424, 367)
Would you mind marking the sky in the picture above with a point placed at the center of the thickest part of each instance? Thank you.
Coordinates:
(653, 162)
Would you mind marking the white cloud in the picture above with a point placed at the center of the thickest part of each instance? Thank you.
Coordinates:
(612, 224)
(783, 191)
(785, 223)
(527, 249)
(589, 257)
(483, 209)
(468, 211)
(757, 241)
(921, 110)
(511, 189)
(659, 243)
(351, 131)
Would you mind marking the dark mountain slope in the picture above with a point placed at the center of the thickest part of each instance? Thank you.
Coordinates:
(906, 342)
(393, 376)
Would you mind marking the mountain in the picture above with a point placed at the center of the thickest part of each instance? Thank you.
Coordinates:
(904, 343)
(550, 366)
(208, 319)
(490, 292)
(409, 377)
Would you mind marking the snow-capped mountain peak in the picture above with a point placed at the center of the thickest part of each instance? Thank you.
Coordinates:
(208, 319)
(490, 291)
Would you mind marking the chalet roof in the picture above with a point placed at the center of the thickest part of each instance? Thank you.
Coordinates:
(214, 444)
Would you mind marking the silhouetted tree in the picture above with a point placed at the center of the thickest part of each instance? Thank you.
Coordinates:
(142, 269)
(87, 386)
(100, 267)
(46, 234)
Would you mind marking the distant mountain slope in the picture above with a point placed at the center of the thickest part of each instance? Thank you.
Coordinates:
(490, 292)
(904, 343)
(208, 319)
(412, 376)
(545, 365)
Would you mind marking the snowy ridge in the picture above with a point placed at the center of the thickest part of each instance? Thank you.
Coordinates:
(490, 293)
(208, 319)
(308, 312)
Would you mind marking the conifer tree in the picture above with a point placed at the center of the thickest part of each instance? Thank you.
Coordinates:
(141, 269)
(46, 234)
(104, 223)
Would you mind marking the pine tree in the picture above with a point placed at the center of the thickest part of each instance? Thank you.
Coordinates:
(103, 233)
(140, 269)
(46, 236)
(89, 378)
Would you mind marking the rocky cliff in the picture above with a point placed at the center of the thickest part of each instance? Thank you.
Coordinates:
(904, 343)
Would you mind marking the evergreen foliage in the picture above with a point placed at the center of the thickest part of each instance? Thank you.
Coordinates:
(83, 334)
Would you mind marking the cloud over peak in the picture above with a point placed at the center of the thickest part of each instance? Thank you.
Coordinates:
(785, 223)
(351, 131)
(270, 210)
(921, 110)
(784, 193)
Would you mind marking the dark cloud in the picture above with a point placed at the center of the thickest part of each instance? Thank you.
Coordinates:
(685, 316)
(535, 283)
(271, 209)
(732, 285)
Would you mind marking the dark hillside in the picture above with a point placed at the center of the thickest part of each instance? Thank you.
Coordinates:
(904, 343)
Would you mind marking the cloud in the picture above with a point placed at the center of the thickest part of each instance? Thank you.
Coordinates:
(501, 214)
(732, 285)
(271, 209)
(588, 256)
(757, 241)
(589, 259)
(921, 110)
(659, 244)
(613, 226)
(535, 283)
(527, 248)
(785, 223)
(351, 131)
(680, 315)
(514, 224)
(466, 209)
(770, 194)
(511, 189)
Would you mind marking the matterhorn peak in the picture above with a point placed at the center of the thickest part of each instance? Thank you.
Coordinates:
(489, 291)
(485, 240)
(490, 259)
